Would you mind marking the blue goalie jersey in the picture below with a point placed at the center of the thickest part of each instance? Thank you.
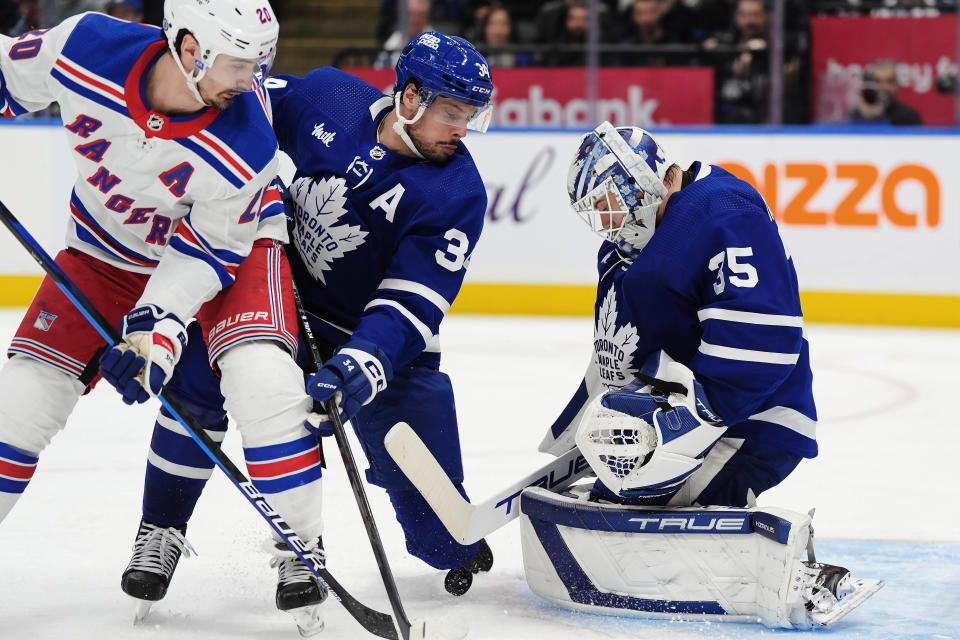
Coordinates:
(381, 240)
(716, 289)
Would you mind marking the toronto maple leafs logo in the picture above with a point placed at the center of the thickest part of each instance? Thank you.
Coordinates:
(613, 347)
(319, 238)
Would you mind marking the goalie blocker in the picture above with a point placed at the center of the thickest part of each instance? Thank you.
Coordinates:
(723, 563)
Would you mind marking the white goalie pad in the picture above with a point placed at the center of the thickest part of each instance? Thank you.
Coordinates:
(723, 563)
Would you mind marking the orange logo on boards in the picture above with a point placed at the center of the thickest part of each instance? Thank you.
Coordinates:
(856, 181)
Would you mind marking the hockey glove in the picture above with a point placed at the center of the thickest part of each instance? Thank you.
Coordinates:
(357, 373)
(643, 440)
(143, 363)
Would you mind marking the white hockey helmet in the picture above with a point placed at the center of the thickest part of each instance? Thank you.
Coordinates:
(615, 184)
(237, 38)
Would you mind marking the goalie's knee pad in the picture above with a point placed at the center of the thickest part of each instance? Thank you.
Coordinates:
(719, 562)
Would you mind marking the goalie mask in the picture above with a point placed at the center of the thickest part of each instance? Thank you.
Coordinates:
(615, 184)
(237, 41)
(444, 66)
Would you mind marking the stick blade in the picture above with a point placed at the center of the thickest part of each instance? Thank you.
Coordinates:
(426, 474)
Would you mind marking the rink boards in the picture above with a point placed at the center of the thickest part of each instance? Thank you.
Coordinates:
(872, 218)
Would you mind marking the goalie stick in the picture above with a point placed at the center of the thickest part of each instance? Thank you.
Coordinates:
(466, 522)
(376, 622)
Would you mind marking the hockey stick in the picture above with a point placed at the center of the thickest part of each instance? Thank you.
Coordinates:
(346, 453)
(466, 522)
(375, 622)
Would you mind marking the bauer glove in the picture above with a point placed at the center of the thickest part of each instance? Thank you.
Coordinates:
(143, 363)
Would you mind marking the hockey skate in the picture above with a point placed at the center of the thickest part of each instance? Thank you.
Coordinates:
(833, 592)
(156, 552)
(459, 580)
(299, 592)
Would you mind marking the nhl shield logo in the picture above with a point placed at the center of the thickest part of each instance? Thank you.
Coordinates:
(44, 321)
(378, 153)
(155, 122)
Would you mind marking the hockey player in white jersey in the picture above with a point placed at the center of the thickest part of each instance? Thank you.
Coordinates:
(697, 399)
(170, 218)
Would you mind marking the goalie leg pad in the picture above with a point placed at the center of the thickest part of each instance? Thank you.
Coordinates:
(719, 562)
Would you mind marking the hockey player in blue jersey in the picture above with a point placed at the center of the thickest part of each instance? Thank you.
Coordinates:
(387, 207)
(698, 393)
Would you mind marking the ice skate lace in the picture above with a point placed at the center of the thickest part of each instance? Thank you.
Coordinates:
(157, 549)
(292, 569)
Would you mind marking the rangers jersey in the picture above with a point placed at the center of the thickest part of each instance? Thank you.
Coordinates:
(716, 289)
(382, 240)
(178, 197)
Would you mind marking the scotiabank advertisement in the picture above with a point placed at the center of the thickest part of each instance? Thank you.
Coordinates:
(923, 50)
(536, 97)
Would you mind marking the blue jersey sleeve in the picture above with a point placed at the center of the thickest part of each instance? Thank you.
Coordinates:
(424, 277)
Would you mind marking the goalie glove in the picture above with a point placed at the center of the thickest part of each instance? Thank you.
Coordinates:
(357, 372)
(143, 363)
(646, 438)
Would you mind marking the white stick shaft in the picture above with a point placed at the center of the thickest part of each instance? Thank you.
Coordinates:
(466, 522)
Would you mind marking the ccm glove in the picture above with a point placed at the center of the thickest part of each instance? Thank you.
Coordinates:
(358, 372)
(143, 363)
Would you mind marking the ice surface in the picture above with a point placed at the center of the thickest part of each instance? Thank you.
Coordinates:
(885, 488)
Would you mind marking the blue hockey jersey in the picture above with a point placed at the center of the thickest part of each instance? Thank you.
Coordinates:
(716, 289)
(382, 241)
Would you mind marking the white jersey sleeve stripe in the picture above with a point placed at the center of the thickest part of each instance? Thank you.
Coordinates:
(748, 317)
(748, 355)
(421, 290)
(95, 83)
(789, 418)
(431, 342)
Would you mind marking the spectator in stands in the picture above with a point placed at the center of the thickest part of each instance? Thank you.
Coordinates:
(645, 24)
(564, 24)
(16, 18)
(716, 16)
(877, 102)
(418, 21)
(496, 32)
(129, 10)
(742, 81)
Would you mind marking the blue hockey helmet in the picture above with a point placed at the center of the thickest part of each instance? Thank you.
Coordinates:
(449, 66)
(615, 184)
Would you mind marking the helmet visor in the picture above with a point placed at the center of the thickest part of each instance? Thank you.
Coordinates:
(239, 74)
(454, 113)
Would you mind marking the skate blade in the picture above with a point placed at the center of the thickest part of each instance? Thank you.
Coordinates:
(309, 620)
(864, 588)
(143, 609)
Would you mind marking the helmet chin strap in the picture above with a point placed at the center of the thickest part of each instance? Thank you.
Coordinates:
(191, 78)
(400, 126)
